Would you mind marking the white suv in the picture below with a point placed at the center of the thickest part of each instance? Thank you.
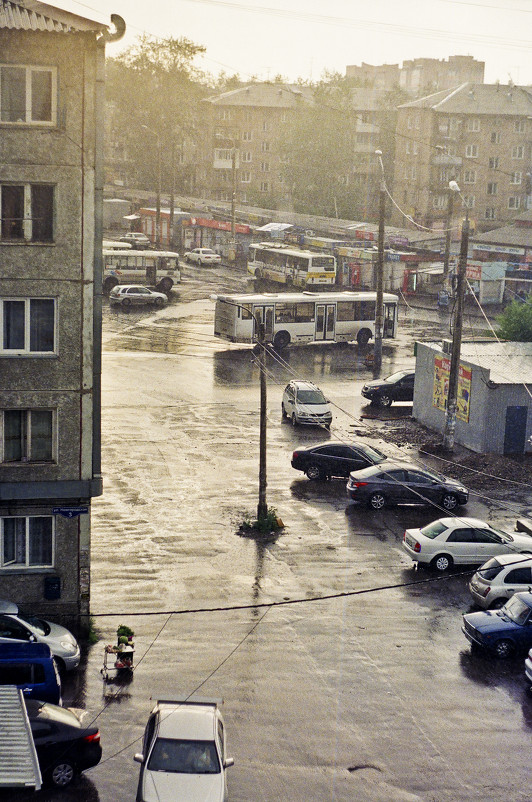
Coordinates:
(303, 402)
(499, 578)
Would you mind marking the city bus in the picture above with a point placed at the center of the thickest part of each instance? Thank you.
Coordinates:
(303, 317)
(288, 265)
(158, 269)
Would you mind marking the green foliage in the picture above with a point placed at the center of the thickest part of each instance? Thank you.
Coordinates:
(267, 523)
(516, 321)
(92, 635)
(124, 631)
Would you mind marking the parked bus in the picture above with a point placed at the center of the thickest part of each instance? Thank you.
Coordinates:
(303, 317)
(158, 269)
(289, 265)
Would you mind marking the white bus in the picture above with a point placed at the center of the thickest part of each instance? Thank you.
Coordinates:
(289, 265)
(303, 317)
(158, 269)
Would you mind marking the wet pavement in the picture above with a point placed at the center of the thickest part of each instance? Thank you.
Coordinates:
(370, 694)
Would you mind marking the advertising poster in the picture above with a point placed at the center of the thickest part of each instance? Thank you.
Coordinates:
(464, 393)
(442, 366)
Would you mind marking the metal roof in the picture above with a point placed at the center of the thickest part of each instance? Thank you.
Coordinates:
(32, 15)
(506, 362)
(478, 99)
(19, 767)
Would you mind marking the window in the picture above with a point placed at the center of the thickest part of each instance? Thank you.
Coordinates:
(413, 172)
(247, 136)
(519, 126)
(492, 187)
(27, 212)
(265, 147)
(412, 147)
(245, 176)
(284, 117)
(514, 202)
(490, 213)
(28, 325)
(28, 95)
(469, 201)
(439, 202)
(225, 114)
(494, 162)
(495, 138)
(470, 176)
(246, 156)
(264, 186)
(265, 125)
(27, 541)
(27, 435)
(471, 151)
(265, 167)
(473, 124)
(516, 178)
(518, 152)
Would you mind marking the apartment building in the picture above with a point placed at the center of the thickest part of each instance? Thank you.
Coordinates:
(477, 134)
(51, 171)
(419, 76)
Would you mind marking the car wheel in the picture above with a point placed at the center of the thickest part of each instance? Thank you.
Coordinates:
(294, 419)
(159, 302)
(281, 340)
(314, 472)
(62, 773)
(504, 649)
(385, 401)
(363, 336)
(497, 604)
(377, 501)
(283, 412)
(126, 302)
(165, 285)
(442, 562)
(449, 501)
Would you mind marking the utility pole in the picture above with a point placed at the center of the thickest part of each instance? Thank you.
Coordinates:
(448, 224)
(262, 507)
(233, 202)
(172, 201)
(159, 179)
(379, 279)
(452, 395)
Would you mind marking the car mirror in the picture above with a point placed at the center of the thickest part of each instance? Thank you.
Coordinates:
(138, 758)
(230, 761)
(32, 638)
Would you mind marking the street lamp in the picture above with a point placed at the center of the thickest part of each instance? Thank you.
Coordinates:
(262, 506)
(452, 394)
(379, 307)
(158, 203)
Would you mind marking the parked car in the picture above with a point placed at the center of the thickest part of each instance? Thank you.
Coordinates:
(499, 578)
(502, 632)
(135, 295)
(15, 626)
(464, 541)
(203, 256)
(32, 668)
(305, 403)
(404, 483)
(64, 746)
(397, 387)
(140, 242)
(334, 459)
(184, 753)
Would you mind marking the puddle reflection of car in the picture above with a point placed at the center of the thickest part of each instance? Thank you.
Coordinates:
(334, 459)
(184, 753)
(502, 632)
(127, 295)
(397, 387)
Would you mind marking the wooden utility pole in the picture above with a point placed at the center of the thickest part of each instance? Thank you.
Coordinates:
(379, 280)
(262, 507)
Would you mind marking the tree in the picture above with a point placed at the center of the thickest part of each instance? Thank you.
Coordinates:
(516, 321)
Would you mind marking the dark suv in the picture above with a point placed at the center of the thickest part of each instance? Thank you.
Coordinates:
(397, 387)
(335, 459)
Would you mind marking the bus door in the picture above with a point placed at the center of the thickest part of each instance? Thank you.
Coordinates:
(325, 321)
(151, 273)
(390, 312)
(265, 314)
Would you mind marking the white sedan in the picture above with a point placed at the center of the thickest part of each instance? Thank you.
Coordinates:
(184, 753)
(465, 541)
(203, 256)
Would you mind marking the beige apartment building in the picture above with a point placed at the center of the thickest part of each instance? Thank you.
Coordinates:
(477, 134)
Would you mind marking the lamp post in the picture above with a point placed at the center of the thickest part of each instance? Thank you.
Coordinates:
(379, 279)
(233, 193)
(450, 419)
(262, 506)
(158, 202)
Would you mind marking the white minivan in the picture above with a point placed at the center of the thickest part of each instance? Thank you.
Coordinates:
(303, 402)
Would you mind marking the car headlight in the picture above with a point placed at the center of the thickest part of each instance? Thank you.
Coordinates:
(68, 645)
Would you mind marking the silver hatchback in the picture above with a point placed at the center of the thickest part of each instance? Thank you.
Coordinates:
(135, 295)
(499, 578)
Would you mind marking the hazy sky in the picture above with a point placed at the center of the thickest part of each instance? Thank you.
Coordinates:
(304, 37)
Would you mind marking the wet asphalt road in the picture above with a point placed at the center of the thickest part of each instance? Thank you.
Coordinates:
(373, 695)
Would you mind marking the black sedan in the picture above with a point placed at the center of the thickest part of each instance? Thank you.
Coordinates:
(397, 387)
(64, 746)
(404, 483)
(335, 459)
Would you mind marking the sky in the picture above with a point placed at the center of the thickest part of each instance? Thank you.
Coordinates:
(303, 38)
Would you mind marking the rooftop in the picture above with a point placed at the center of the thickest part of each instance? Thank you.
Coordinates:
(32, 15)
(470, 98)
(506, 362)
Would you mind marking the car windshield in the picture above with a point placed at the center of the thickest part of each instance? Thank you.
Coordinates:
(208, 250)
(311, 397)
(37, 624)
(433, 530)
(184, 757)
(373, 454)
(490, 569)
(516, 610)
(395, 376)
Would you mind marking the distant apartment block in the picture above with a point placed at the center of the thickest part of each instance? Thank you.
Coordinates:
(420, 76)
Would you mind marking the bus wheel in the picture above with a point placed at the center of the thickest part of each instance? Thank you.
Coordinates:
(363, 336)
(165, 285)
(108, 285)
(281, 340)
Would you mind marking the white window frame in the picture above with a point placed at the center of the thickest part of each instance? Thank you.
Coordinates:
(25, 351)
(519, 126)
(469, 201)
(489, 213)
(439, 202)
(265, 147)
(470, 176)
(517, 177)
(495, 138)
(30, 69)
(246, 156)
(225, 114)
(265, 167)
(518, 152)
(473, 124)
(493, 163)
(26, 458)
(264, 186)
(27, 223)
(514, 202)
(13, 566)
(245, 177)
(265, 125)
(471, 151)
(492, 188)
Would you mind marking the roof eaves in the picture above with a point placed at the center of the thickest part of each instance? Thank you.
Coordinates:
(32, 15)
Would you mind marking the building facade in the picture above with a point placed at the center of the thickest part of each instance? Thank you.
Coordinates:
(51, 157)
(419, 76)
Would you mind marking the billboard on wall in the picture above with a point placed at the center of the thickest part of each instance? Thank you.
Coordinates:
(440, 391)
